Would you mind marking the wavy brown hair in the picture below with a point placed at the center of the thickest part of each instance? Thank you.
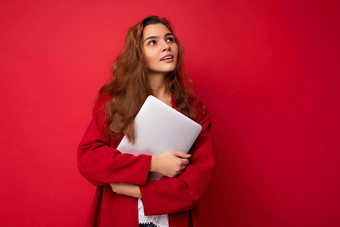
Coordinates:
(129, 85)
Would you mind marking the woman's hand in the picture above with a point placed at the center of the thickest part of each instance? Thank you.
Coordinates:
(126, 189)
(169, 164)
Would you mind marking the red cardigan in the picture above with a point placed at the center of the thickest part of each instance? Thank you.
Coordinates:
(101, 164)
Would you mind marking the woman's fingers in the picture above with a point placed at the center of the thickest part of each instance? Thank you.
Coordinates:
(185, 162)
(170, 164)
(181, 154)
(113, 187)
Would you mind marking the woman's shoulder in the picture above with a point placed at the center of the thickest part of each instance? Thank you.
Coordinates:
(100, 104)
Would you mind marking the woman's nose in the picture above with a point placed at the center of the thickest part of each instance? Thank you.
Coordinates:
(166, 46)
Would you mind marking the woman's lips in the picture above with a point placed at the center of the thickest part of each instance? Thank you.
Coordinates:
(168, 58)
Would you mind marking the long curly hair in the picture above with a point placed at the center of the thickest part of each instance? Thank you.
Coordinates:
(129, 85)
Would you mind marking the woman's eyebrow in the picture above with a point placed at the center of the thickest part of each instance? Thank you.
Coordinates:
(157, 37)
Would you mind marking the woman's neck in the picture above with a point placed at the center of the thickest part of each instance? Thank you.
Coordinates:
(157, 84)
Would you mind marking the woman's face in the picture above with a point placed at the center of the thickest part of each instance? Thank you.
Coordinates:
(160, 48)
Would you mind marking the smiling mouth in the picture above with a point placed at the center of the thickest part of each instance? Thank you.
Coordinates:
(167, 58)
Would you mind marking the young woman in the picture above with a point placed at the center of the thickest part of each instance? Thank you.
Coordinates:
(149, 64)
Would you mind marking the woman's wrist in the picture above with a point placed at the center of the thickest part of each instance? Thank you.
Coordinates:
(153, 164)
(135, 192)
(132, 190)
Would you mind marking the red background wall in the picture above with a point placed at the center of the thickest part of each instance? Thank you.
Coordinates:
(267, 70)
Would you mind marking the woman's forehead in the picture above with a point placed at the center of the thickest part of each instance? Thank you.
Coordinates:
(155, 30)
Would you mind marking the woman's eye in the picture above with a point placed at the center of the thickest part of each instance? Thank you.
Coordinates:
(152, 42)
(170, 39)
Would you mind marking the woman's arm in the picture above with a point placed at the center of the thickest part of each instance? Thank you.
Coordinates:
(169, 164)
(101, 164)
(126, 189)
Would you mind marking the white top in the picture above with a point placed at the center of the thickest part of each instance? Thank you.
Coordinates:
(158, 220)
